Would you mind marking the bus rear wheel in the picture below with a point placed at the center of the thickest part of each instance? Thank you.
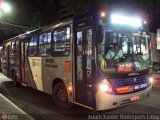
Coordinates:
(14, 78)
(60, 96)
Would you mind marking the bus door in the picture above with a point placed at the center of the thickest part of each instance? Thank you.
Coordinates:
(22, 61)
(83, 66)
(8, 60)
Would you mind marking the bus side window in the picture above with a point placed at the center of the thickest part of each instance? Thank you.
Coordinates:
(32, 48)
(16, 48)
(3, 50)
(61, 41)
(79, 42)
(26, 48)
(44, 44)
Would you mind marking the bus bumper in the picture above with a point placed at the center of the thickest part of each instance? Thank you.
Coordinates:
(106, 101)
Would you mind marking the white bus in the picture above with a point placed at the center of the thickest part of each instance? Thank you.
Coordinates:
(68, 61)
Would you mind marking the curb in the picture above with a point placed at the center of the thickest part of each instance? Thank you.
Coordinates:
(16, 107)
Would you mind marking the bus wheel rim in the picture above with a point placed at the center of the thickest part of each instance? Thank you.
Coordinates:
(62, 95)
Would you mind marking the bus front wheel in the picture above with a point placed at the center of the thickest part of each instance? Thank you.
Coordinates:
(60, 96)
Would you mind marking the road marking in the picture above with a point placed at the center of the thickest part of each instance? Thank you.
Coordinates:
(31, 118)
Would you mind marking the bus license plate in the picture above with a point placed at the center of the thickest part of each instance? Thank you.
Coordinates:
(134, 98)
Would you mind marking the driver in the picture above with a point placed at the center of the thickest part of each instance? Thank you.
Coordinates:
(114, 54)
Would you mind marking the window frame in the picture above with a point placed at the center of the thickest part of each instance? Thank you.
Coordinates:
(28, 46)
(70, 44)
(16, 48)
(12, 50)
(47, 55)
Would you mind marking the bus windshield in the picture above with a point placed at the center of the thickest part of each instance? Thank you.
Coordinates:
(123, 51)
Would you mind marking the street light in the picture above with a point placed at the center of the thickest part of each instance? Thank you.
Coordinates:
(5, 7)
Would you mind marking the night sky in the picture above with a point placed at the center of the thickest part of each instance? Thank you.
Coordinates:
(36, 13)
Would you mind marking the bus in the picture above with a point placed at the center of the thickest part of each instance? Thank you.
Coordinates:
(67, 60)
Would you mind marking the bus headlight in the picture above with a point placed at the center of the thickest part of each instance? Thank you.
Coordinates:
(151, 79)
(105, 86)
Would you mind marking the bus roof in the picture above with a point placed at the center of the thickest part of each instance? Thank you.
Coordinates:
(42, 29)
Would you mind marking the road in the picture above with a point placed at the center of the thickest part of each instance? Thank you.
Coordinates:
(39, 105)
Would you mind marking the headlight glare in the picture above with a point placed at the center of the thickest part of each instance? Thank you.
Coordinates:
(151, 79)
(105, 86)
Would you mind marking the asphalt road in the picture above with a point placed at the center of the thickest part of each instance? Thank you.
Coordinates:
(39, 105)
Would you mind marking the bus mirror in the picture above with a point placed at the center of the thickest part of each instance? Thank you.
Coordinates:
(99, 33)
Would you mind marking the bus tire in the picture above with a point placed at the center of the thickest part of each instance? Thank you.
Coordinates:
(14, 78)
(60, 96)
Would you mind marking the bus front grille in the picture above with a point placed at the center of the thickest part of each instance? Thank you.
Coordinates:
(129, 81)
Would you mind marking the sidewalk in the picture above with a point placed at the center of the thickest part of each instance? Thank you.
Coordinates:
(9, 111)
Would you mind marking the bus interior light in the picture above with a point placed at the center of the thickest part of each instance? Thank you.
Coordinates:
(123, 20)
